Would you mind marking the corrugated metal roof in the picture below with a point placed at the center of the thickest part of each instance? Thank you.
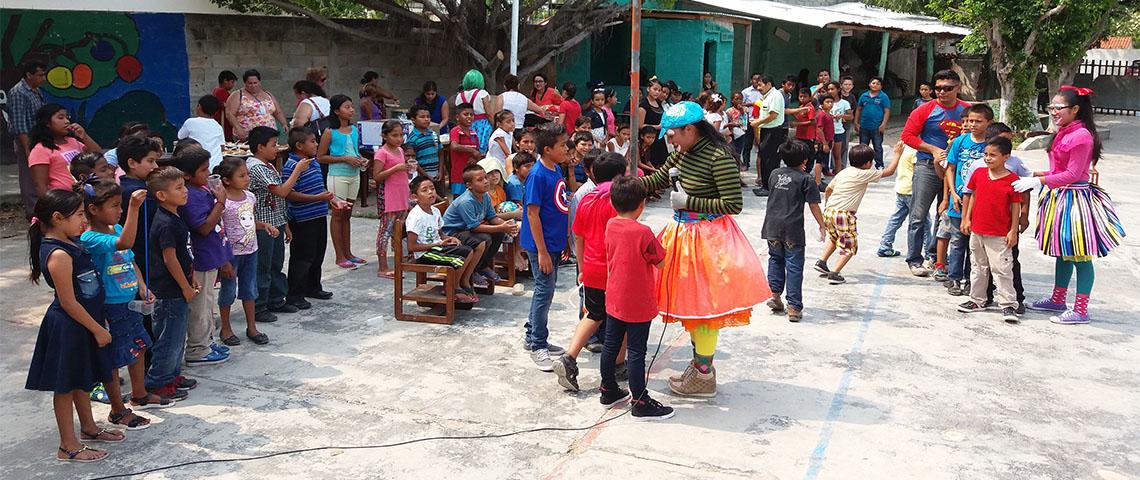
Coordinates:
(1116, 42)
(849, 14)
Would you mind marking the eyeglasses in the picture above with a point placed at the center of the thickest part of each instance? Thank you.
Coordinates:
(945, 88)
(1056, 107)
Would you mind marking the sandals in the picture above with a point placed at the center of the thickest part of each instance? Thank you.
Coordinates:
(99, 437)
(144, 403)
(357, 260)
(136, 422)
(71, 455)
(231, 341)
(347, 265)
(260, 338)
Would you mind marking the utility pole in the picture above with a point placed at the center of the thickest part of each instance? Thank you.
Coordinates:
(634, 81)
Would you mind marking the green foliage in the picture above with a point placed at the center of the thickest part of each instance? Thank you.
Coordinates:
(324, 8)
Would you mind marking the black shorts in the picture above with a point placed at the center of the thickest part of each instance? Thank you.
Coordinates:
(447, 256)
(594, 303)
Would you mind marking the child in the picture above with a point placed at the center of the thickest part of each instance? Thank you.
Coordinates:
(582, 125)
(1017, 166)
(825, 129)
(430, 246)
(589, 226)
(807, 131)
(308, 204)
(632, 251)
(904, 184)
(713, 105)
(843, 196)
(92, 165)
(738, 118)
(496, 189)
(964, 152)
(338, 150)
(108, 245)
(841, 112)
(646, 135)
(205, 129)
(515, 186)
(582, 143)
(464, 147)
(502, 139)
(171, 281)
(872, 112)
(241, 230)
(211, 254)
(784, 228)
(471, 218)
(138, 156)
(924, 94)
(266, 185)
(544, 235)
(426, 143)
(619, 144)
(597, 116)
(69, 357)
(393, 169)
(991, 219)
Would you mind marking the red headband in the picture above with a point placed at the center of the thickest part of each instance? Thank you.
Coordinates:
(1081, 91)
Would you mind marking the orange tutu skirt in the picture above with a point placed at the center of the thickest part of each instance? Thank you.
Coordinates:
(711, 275)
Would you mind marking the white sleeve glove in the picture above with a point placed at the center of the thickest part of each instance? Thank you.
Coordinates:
(678, 199)
(1025, 184)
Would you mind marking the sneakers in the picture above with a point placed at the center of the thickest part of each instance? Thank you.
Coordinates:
(919, 271)
(300, 303)
(834, 278)
(1047, 305)
(595, 347)
(265, 316)
(99, 394)
(889, 253)
(541, 359)
(1009, 314)
(183, 383)
(970, 307)
(166, 392)
(760, 192)
(821, 267)
(1070, 318)
(566, 367)
(212, 358)
(612, 396)
(960, 288)
(696, 385)
(219, 348)
(284, 308)
(776, 304)
(1020, 308)
(795, 315)
(555, 350)
(689, 370)
(940, 273)
(649, 409)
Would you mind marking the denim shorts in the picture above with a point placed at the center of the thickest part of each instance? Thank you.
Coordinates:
(948, 226)
(128, 336)
(841, 136)
(243, 287)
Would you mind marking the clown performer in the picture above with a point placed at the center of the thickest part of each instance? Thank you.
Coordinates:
(711, 277)
(1076, 220)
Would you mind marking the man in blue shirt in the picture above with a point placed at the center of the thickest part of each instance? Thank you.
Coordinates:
(471, 218)
(872, 113)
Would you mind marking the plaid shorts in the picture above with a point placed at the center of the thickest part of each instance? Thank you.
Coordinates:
(841, 229)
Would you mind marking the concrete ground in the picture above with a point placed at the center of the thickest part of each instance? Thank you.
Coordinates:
(883, 379)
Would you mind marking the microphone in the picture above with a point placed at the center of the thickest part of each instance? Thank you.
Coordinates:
(674, 177)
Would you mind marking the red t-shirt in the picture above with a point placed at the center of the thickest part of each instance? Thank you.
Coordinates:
(594, 212)
(826, 124)
(571, 109)
(632, 252)
(992, 199)
(807, 130)
(459, 160)
(222, 95)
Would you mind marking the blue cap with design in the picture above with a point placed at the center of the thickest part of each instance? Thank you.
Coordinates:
(679, 115)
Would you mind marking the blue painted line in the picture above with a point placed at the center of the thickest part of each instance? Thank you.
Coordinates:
(839, 398)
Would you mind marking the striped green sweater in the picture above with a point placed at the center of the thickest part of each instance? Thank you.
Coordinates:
(709, 176)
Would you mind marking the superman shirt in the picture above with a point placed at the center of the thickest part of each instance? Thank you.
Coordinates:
(116, 267)
(933, 124)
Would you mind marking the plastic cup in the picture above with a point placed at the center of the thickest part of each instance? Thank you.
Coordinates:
(214, 181)
(141, 307)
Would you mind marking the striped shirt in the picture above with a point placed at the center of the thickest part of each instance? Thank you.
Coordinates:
(709, 176)
(310, 182)
(426, 145)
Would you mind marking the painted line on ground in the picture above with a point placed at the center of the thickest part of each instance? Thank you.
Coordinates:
(839, 398)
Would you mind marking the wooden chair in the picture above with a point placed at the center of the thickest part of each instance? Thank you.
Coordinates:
(490, 290)
(504, 264)
(435, 285)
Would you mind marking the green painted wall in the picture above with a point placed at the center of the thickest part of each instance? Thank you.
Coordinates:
(807, 47)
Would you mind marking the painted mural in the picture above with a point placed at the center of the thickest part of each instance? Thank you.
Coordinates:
(106, 68)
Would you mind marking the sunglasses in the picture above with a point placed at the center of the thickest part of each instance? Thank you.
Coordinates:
(945, 88)
(1057, 108)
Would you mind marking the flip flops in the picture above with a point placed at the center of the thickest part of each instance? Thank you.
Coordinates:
(98, 437)
(71, 455)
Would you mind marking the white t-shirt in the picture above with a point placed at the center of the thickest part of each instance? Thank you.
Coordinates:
(474, 97)
(619, 149)
(849, 185)
(493, 148)
(320, 107)
(515, 103)
(208, 132)
(839, 108)
(426, 226)
(712, 118)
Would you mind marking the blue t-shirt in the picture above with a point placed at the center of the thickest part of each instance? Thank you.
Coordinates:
(310, 182)
(116, 267)
(213, 249)
(426, 145)
(515, 189)
(167, 231)
(547, 189)
(873, 108)
(963, 153)
(466, 213)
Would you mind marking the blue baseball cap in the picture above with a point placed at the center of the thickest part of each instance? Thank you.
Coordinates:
(679, 115)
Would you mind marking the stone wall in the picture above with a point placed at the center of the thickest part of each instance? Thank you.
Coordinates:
(282, 48)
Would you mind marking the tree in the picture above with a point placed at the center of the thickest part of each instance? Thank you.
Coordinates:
(478, 30)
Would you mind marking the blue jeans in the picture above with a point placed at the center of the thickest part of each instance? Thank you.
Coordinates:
(786, 271)
(169, 325)
(544, 284)
(927, 187)
(244, 286)
(875, 138)
(957, 264)
(271, 282)
(636, 337)
(902, 210)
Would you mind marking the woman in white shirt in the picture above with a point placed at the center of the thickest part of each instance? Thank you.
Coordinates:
(312, 107)
(516, 103)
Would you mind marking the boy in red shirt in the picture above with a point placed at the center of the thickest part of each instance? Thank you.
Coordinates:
(991, 219)
(825, 135)
(632, 251)
(590, 219)
(464, 145)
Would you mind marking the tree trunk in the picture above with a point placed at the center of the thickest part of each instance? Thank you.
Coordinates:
(1063, 76)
